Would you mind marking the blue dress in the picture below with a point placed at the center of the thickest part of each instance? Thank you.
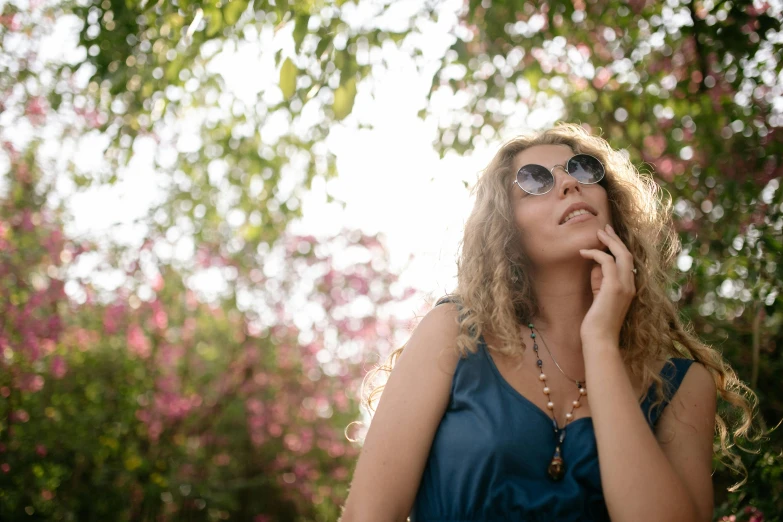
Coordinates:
(489, 457)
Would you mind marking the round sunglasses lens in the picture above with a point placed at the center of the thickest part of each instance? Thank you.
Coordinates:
(535, 179)
(586, 169)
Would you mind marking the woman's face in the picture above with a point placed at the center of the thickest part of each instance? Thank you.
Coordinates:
(546, 239)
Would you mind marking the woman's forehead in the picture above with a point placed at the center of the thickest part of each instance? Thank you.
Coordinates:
(546, 155)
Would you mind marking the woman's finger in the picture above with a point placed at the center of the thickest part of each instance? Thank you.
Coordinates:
(606, 261)
(623, 258)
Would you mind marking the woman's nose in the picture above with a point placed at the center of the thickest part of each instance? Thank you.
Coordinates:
(567, 181)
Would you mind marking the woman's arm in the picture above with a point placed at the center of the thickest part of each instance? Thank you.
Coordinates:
(644, 479)
(395, 451)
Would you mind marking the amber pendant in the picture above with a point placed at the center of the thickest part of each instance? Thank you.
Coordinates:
(557, 466)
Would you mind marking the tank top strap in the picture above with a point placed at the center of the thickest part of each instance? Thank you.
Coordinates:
(672, 373)
(451, 298)
(448, 299)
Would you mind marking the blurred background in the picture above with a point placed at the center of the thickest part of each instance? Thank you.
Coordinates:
(216, 217)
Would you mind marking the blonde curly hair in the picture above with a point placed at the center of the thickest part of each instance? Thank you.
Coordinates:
(494, 289)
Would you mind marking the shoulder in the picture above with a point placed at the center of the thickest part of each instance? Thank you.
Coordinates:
(435, 337)
(694, 403)
(698, 389)
(686, 432)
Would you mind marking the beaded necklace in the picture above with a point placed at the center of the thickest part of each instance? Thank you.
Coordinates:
(556, 467)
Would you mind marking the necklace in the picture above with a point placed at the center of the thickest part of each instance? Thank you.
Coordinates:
(556, 467)
(555, 361)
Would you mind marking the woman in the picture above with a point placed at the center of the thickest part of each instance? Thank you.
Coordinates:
(539, 389)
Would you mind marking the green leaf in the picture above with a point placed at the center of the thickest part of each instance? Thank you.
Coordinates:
(300, 30)
(215, 23)
(288, 78)
(233, 10)
(343, 99)
(323, 43)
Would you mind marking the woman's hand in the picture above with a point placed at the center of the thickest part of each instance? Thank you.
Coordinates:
(614, 287)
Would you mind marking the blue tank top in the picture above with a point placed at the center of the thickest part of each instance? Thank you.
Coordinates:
(489, 457)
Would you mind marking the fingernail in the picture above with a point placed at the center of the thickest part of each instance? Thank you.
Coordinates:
(609, 227)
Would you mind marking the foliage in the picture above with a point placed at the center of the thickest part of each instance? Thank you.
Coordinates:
(163, 407)
(688, 89)
(113, 395)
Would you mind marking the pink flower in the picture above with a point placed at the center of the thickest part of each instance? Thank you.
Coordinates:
(36, 110)
(157, 283)
(23, 176)
(159, 318)
(11, 21)
(58, 367)
(5, 467)
(54, 244)
(40, 449)
(31, 382)
(138, 344)
(223, 459)
(20, 416)
(27, 219)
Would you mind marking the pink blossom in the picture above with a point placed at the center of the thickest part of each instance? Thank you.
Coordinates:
(222, 459)
(143, 415)
(5, 467)
(254, 406)
(157, 283)
(112, 318)
(83, 338)
(11, 21)
(36, 110)
(23, 176)
(138, 344)
(159, 318)
(54, 244)
(58, 367)
(154, 429)
(40, 449)
(27, 216)
(31, 382)
(20, 416)
(53, 328)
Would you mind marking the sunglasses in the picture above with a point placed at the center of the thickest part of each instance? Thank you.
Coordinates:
(538, 180)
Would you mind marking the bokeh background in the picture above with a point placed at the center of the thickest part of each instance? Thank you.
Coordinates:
(216, 216)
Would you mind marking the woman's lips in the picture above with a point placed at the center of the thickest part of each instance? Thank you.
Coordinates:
(579, 218)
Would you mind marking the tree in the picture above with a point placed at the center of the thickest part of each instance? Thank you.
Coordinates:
(688, 89)
(151, 401)
(151, 404)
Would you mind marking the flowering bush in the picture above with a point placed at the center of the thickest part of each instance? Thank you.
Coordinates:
(122, 408)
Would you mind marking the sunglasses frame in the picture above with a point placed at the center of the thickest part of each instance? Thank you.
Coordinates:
(552, 173)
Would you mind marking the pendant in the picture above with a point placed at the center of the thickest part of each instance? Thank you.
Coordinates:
(557, 466)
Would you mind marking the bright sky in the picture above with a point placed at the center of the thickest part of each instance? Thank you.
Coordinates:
(389, 177)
